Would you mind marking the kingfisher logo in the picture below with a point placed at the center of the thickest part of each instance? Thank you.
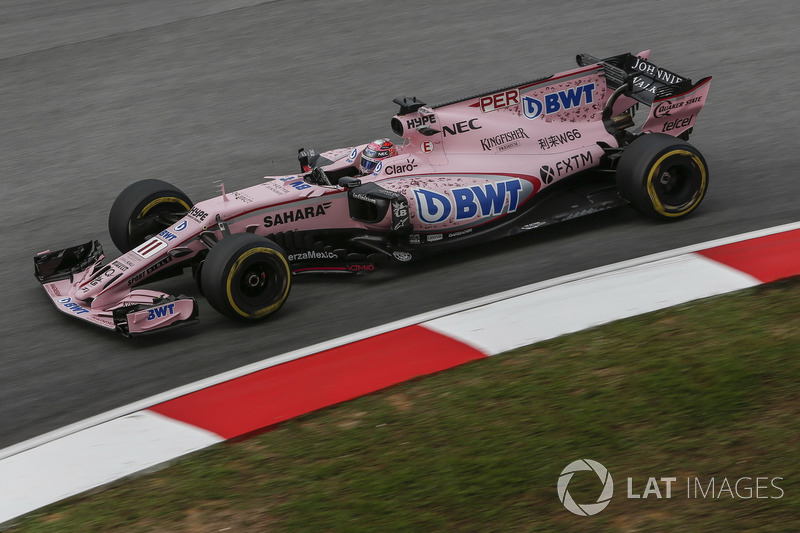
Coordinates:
(585, 509)
(485, 200)
(558, 101)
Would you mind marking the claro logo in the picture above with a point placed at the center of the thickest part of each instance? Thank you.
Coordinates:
(408, 166)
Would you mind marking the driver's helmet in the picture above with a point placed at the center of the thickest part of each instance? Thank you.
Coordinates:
(376, 151)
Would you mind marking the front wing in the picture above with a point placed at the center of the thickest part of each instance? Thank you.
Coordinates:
(137, 312)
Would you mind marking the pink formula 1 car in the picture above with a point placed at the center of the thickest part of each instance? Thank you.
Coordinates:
(466, 171)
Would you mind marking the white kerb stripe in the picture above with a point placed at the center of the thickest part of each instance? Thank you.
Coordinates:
(588, 302)
(93, 457)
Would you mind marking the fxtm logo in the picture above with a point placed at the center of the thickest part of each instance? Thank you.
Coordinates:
(586, 509)
(558, 101)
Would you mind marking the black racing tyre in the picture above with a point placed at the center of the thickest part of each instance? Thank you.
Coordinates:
(197, 270)
(246, 277)
(143, 209)
(661, 176)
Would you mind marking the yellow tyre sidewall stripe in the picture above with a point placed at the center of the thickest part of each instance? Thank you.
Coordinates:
(269, 309)
(656, 203)
(164, 199)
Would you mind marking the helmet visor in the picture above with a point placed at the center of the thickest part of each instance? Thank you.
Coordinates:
(367, 164)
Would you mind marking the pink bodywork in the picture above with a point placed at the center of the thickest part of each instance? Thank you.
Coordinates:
(479, 159)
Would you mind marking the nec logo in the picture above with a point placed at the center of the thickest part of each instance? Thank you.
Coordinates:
(558, 101)
(468, 202)
(461, 127)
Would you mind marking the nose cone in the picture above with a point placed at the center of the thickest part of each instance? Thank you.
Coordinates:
(93, 285)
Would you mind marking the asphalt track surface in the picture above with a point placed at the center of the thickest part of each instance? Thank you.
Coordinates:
(94, 95)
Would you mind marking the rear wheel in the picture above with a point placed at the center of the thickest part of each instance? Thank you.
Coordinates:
(143, 209)
(246, 277)
(662, 176)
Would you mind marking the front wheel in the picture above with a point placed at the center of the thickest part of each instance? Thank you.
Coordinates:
(662, 176)
(143, 209)
(246, 277)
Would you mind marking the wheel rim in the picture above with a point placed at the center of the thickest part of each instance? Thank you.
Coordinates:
(258, 282)
(256, 286)
(677, 182)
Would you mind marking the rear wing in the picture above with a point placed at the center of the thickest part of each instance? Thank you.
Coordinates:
(647, 82)
(673, 99)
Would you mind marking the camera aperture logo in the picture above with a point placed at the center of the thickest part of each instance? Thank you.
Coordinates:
(585, 509)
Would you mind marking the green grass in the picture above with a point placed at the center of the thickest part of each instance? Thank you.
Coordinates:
(708, 389)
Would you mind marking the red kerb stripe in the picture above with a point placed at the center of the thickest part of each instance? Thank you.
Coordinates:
(282, 392)
(766, 258)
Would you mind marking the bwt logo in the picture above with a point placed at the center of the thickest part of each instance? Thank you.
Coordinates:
(558, 101)
(167, 235)
(468, 202)
(160, 312)
(585, 509)
(72, 306)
